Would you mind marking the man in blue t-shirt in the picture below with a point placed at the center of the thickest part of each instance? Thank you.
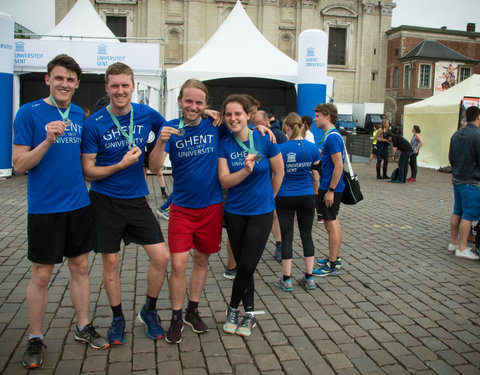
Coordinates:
(332, 149)
(112, 148)
(60, 224)
(196, 210)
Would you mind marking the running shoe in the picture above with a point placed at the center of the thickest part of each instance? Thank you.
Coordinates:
(326, 270)
(116, 332)
(33, 356)
(163, 213)
(320, 219)
(277, 254)
(174, 333)
(192, 319)
(322, 262)
(245, 327)
(152, 323)
(308, 282)
(411, 179)
(468, 253)
(165, 196)
(231, 323)
(91, 337)
(230, 274)
(285, 285)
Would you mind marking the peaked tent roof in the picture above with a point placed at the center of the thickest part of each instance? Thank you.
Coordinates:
(82, 21)
(432, 49)
(237, 49)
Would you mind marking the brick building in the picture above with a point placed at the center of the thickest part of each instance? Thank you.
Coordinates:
(424, 61)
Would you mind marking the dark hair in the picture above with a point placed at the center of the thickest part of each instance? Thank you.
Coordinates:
(328, 109)
(416, 128)
(118, 68)
(67, 62)
(308, 121)
(237, 98)
(195, 83)
(253, 102)
(472, 113)
(389, 135)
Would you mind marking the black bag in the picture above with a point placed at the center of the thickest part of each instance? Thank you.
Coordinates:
(352, 193)
(395, 174)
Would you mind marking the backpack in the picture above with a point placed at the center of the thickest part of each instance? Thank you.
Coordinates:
(395, 174)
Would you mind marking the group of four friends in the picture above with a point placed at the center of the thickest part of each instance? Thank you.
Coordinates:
(61, 149)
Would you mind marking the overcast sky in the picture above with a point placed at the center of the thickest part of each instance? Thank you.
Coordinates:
(38, 15)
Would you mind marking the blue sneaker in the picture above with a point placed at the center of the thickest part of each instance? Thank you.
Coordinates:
(277, 254)
(322, 262)
(151, 321)
(165, 214)
(326, 270)
(116, 332)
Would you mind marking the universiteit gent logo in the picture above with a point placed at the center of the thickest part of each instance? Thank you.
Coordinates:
(310, 52)
(19, 47)
(102, 49)
(291, 157)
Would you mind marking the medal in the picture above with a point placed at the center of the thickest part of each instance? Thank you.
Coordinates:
(129, 136)
(65, 114)
(251, 150)
(181, 130)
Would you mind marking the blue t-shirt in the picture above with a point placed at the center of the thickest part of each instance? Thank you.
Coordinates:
(194, 158)
(332, 144)
(102, 137)
(254, 195)
(56, 183)
(298, 157)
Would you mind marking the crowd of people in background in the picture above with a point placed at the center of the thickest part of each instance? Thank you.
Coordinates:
(239, 168)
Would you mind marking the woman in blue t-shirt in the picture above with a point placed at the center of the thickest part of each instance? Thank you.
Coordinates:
(296, 196)
(247, 160)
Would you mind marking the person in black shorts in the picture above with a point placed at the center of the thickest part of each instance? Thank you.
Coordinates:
(60, 223)
(112, 149)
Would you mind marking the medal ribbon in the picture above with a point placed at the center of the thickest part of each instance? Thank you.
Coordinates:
(325, 136)
(65, 114)
(250, 150)
(129, 136)
(181, 125)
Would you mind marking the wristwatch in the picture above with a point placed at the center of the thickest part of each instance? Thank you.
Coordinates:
(331, 189)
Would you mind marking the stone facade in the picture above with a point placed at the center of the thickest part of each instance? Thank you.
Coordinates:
(403, 39)
(187, 25)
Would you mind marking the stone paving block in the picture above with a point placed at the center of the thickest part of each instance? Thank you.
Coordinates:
(286, 353)
(71, 367)
(381, 357)
(433, 343)
(266, 362)
(365, 365)
(467, 370)
(367, 343)
(246, 369)
(412, 363)
(294, 367)
(275, 338)
(120, 368)
(395, 370)
(441, 367)
(451, 357)
(258, 347)
(473, 358)
(192, 359)
(239, 356)
(395, 348)
(338, 361)
(95, 364)
(218, 365)
(355, 331)
(406, 339)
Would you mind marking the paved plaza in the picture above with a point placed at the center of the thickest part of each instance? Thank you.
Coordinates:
(402, 303)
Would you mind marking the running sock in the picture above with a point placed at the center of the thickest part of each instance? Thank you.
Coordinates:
(80, 328)
(308, 275)
(163, 189)
(40, 336)
(177, 314)
(192, 306)
(150, 303)
(117, 311)
(278, 243)
(285, 277)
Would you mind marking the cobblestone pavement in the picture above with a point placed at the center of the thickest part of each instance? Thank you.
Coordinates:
(401, 304)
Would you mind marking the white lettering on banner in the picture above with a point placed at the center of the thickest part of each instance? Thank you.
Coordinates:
(194, 140)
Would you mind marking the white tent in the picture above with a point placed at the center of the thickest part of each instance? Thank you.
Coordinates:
(237, 49)
(82, 21)
(437, 117)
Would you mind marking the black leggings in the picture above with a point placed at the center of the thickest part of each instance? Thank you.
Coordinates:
(248, 236)
(413, 164)
(304, 206)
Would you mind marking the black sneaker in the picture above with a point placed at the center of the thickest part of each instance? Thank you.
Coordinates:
(174, 333)
(230, 274)
(33, 356)
(91, 337)
(193, 320)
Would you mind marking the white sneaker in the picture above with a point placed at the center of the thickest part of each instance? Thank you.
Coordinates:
(452, 247)
(468, 253)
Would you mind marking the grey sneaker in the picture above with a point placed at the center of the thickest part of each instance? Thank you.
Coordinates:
(230, 274)
(231, 323)
(285, 285)
(90, 336)
(33, 356)
(245, 327)
(308, 283)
